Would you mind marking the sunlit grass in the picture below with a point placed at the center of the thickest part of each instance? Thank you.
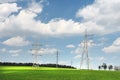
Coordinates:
(31, 68)
(47, 73)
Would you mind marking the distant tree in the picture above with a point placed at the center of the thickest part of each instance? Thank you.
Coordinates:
(110, 67)
(99, 67)
(117, 68)
(104, 65)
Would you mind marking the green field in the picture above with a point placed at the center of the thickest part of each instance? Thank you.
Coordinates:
(44, 73)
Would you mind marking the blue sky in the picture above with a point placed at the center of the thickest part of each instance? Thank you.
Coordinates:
(60, 25)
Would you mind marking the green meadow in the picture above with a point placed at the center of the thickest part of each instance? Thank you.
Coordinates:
(47, 73)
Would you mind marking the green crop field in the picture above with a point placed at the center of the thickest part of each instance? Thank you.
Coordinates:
(44, 73)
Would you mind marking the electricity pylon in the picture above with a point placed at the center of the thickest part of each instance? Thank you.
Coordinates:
(85, 56)
(71, 63)
(36, 49)
(56, 58)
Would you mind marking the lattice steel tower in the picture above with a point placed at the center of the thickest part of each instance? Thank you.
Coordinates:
(56, 58)
(36, 49)
(85, 56)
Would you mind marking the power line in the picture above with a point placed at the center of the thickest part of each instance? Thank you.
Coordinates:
(36, 49)
(85, 55)
(71, 63)
(56, 58)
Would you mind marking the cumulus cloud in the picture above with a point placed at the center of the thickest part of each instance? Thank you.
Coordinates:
(49, 50)
(44, 51)
(98, 18)
(15, 55)
(7, 1)
(70, 46)
(18, 24)
(102, 58)
(7, 9)
(90, 43)
(15, 51)
(77, 57)
(114, 48)
(104, 15)
(3, 50)
(102, 41)
(77, 51)
(35, 7)
(80, 47)
(24, 23)
(16, 41)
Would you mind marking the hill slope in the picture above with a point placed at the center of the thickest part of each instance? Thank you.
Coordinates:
(46, 73)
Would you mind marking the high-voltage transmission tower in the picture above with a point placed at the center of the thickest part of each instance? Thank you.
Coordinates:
(35, 53)
(71, 63)
(56, 58)
(85, 55)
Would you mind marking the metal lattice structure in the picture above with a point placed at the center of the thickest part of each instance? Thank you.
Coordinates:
(35, 53)
(56, 58)
(85, 55)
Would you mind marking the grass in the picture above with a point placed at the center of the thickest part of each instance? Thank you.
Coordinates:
(46, 73)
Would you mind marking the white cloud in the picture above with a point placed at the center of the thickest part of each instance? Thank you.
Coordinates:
(49, 51)
(7, 1)
(102, 41)
(70, 46)
(7, 8)
(16, 41)
(18, 24)
(102, 58)
(117, 42)
(99, 58)
(3, 49)
(80, 46)
(15, 51)
(104, 15)
(114, 48)
(35, 7)
(15, 55)
(24, 23)
(90, 43)
(100, 16)
(77, 57)
(45, 51)
(78, 50)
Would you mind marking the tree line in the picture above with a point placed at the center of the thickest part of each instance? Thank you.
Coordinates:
(31, 64)
(104, 66)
